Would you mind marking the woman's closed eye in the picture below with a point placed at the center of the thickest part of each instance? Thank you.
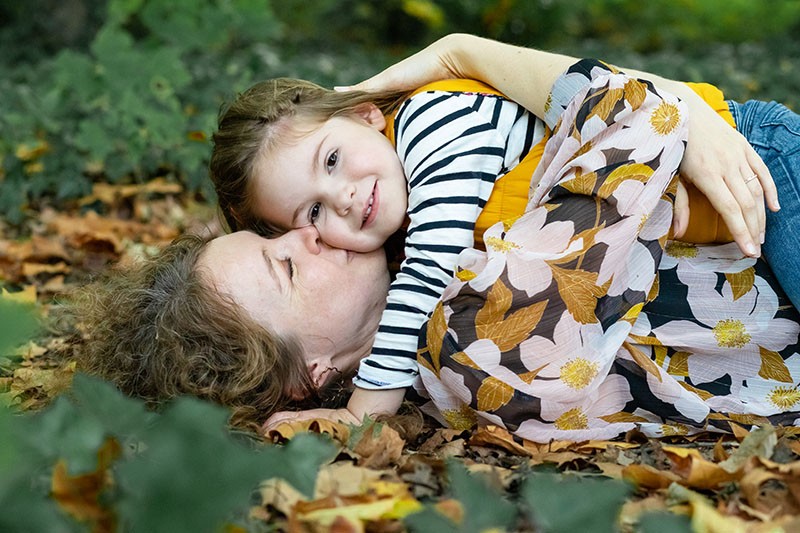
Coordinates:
(289, 267)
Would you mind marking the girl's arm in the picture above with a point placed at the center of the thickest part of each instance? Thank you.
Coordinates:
(718, 159)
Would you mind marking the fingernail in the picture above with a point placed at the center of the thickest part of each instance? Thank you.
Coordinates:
(751, 249)
(761, 236)
(341, 88)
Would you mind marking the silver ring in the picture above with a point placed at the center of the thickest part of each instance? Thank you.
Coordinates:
(751, 178)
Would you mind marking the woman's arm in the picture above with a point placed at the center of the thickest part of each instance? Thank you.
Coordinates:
(718, 159)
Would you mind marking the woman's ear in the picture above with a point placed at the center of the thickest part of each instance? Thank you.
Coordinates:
(370, 113)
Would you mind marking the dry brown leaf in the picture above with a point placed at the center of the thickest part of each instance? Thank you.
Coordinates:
(648, 477)
(79, 496)
(502, 438)
(379, 446)
(696, 471)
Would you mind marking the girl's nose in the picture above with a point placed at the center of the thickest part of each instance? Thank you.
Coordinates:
(344, 199)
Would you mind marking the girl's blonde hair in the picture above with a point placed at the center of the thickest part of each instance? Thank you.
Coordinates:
(253, 123)
(159, 330)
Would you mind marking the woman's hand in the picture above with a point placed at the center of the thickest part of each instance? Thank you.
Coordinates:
(334, 415)
(724, 167)
(433, 63)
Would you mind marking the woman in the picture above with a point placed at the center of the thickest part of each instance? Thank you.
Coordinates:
(273, 261)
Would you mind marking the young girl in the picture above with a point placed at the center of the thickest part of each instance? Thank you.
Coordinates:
(319, 157)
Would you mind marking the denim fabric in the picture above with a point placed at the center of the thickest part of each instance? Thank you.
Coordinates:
(774, 131)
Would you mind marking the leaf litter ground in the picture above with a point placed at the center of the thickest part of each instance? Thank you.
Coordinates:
(405, 472)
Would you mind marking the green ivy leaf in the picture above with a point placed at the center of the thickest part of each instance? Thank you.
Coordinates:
(664, 523)
(17, 324)
(564, 505)
(484, 507)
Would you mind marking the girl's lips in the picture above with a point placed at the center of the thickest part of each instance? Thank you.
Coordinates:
(371, 209)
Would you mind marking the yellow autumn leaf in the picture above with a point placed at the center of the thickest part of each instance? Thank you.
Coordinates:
(641, 359)
(579, 290)
(633, 313)
(582, 184)
(773, 366)
(606, 104)
(635, 93)
(631, 171)
(493, 394)
(741, 282)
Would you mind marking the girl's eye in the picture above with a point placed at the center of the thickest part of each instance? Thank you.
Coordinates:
(333, 158)
(290, 267)
(313, 214)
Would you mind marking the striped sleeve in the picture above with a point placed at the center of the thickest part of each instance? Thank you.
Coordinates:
(453, 146)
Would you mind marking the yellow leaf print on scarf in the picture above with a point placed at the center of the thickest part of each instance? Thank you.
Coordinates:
(635, 93)
(773, 366)
(665, 118)
(465, 275)
(679, 364)
(641, 359)
(465, 360)
(622, 417)
(606, 105)
(741, 282)
(493, 394)
(437, 327)
(704, 395)
(579, 290)
(506, 333)
(632, 171)
(582, 183)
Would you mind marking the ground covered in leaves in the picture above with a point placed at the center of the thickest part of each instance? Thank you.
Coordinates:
(401, 474)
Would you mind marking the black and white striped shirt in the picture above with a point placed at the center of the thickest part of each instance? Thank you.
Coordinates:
(453, 147)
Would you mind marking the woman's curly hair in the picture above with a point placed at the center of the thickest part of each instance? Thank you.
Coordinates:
(159, 330)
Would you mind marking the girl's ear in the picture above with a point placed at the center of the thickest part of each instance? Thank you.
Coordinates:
(370, 113)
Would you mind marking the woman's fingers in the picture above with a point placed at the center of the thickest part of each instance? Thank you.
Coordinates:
(680, 212)
(759, 168)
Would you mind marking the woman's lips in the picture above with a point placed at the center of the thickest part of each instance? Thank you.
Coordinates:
(371, 209)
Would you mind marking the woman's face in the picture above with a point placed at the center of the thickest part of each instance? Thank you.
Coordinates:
(329, 299)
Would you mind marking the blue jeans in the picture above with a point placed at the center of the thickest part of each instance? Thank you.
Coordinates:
(774, 132)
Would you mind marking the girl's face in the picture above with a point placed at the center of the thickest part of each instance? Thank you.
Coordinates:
(344, 177)
(329, 299)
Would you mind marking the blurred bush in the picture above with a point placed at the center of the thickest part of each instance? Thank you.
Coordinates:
(124, 90)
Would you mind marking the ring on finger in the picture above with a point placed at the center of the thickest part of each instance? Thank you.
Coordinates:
(751, 178)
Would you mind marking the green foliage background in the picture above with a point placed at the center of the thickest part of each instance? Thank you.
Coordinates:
(124, 90)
